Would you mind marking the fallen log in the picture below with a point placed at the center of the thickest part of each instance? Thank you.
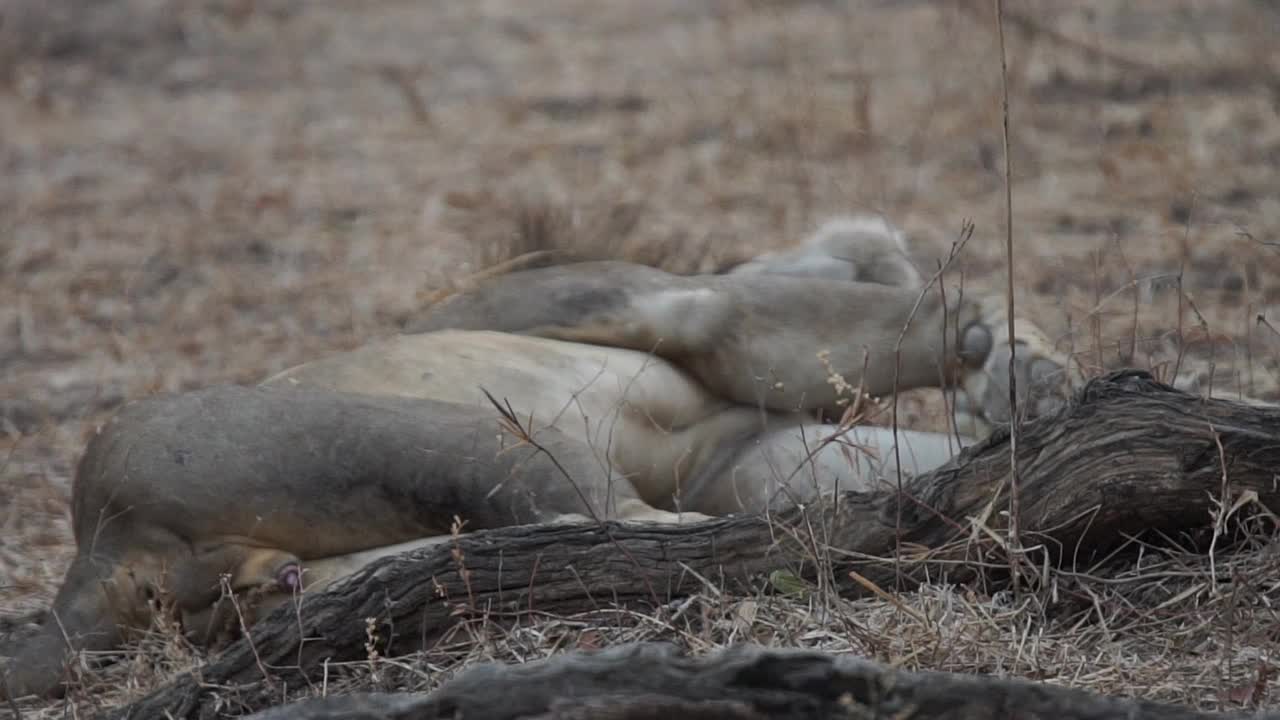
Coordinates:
(652, 681)
(1128, 455)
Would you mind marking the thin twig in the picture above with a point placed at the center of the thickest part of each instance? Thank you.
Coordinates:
(230, 596)
(1182, 270)
(1014, 544)
(9, 695)
(511, 422)
(1033, 28)
(966, 232)
(402, 79)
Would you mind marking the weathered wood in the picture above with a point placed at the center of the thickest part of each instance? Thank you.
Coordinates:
(1127, 456)
(652, 680)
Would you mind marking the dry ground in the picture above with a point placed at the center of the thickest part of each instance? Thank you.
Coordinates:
(214, 190)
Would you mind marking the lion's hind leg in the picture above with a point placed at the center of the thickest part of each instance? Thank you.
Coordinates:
(615, 304)
(852, 248)
(870, 249)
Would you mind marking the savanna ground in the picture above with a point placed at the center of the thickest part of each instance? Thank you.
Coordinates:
(215, 190)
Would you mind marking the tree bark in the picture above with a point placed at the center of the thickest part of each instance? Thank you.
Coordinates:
(1128, 455)
(744, 682)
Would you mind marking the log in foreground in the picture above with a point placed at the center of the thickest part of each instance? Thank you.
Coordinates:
(742, 682)
(1128, 455)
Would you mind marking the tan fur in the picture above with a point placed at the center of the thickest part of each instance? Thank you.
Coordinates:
(661, 398)
(852, 249)
(632, 409)
(642, 417)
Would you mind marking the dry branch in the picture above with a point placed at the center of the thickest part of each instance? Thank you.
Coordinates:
(1127, 456)
(742, 682)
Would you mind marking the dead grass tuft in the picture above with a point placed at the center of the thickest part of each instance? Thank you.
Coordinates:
(550, 233)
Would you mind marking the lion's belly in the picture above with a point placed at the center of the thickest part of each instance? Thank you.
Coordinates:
(651, 421)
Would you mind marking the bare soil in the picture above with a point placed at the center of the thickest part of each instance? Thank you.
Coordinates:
(215, 190)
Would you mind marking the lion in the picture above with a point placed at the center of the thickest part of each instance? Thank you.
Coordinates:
(582, 392)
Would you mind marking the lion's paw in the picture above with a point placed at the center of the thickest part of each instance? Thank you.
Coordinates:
(1044, 375)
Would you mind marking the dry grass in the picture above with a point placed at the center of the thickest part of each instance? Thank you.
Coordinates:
(216, 190)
